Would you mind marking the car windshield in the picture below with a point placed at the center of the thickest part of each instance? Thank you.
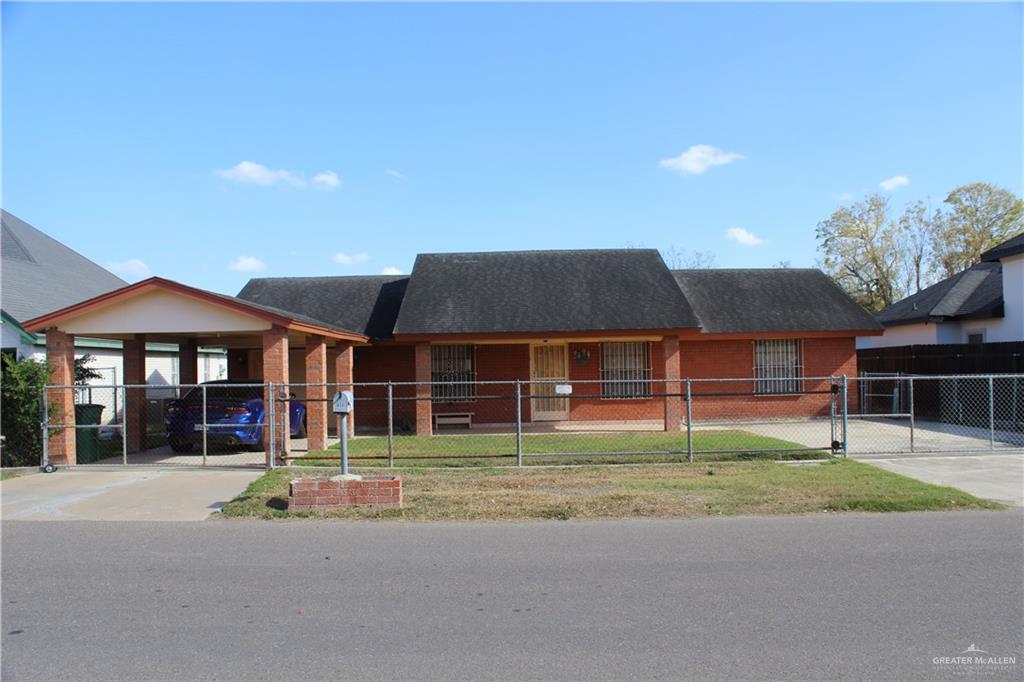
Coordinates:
(232, 392)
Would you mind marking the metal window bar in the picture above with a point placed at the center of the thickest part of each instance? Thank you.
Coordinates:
(452, 373)
(777, 366)
(625, 369)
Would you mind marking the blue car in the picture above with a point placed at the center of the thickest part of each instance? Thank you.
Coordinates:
(234, 417)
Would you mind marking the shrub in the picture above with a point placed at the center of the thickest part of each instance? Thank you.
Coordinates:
(20, 388)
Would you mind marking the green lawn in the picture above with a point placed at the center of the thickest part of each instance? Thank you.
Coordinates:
(674, 490)
(560, 448)
(7, 474)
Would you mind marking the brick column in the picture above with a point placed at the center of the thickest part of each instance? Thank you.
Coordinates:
(673, 403)
(343, 357)
(188, 362)
(275, 370)
(134, 355)
(316, 396)
(60, 353)
(424, 407)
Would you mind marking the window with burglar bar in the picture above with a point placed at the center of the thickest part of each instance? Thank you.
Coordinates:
(625, 369)
(777, 366)
(452, 364)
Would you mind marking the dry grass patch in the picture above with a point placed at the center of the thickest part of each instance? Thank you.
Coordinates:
(677, 490)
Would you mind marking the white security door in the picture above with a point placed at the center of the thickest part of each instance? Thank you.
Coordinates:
(549, 363)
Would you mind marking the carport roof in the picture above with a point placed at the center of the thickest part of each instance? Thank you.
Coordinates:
(289, 320)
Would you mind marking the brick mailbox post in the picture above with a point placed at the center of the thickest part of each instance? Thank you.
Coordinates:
(372, 492)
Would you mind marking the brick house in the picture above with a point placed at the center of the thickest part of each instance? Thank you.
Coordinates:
(619, 326)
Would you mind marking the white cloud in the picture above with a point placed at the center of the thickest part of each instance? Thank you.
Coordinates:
(257, 174)
(326, 180)
(246, 264)
(698, 158)
(133, 268)
(743, 236)
(395, 174)
(391, 270)
(894, 182)
(351, 258)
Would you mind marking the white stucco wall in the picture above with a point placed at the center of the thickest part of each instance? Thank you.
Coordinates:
(903, 335)
(1011, 326)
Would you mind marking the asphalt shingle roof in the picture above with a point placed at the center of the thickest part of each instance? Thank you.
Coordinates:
(975, 292)
(41, 275)
(367, 305)
(542, 291)
(1011, 247)
(770, 300)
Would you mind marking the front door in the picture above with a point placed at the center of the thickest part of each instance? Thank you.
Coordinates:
(549, 363)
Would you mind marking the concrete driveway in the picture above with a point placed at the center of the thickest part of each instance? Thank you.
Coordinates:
(995, 477)
(121, 495)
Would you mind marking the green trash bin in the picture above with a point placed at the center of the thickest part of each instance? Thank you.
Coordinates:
(87, 441)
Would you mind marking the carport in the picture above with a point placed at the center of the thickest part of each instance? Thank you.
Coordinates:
(258, 340)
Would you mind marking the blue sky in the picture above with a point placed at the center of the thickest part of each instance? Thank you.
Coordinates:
(372, 132)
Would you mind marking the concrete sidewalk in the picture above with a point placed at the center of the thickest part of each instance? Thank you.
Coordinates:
(994, 477)
(121, 495)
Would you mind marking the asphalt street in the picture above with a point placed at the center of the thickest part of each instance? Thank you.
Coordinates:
(812, 597)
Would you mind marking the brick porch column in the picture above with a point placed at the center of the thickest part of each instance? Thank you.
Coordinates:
(60, 353)
(188, 362)
(424, 408)
(316, 396)
(343, 357)
(134, 355)
(673, 403)
(275, 370)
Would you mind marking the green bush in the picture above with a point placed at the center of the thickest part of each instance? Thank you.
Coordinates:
(21, 386)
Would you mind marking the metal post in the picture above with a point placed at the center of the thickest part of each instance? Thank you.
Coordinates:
(832, 409)
(910, 405)
(519, 423)
(846, 421)
(343, 441)
(124, 425)
(44, 410)
(204, 424)
(991, 416)
(271, 416)
(689, 422)
(391, 426)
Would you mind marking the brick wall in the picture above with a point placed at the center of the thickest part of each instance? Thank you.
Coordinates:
(588, 405)
(377, 492)
(734, 358)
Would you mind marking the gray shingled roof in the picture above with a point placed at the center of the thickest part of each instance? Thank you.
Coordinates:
(976, 292)
(542, 291)
(770, 300)
(367, 305)
(41, 275)
(1011, 247)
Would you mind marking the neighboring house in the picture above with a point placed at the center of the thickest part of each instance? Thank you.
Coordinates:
(619, 318)
(40, 274)
(982, 304)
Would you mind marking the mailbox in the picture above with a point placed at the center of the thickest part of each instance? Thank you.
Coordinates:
(343, 402)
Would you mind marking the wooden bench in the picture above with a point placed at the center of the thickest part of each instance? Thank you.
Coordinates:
(453, 419)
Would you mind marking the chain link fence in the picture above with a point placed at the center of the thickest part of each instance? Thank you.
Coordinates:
(491, 423)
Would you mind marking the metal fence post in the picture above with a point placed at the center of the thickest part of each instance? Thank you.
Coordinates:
(391, 426)
(991, 415)
(271, 415)
(846, 421)
(689, 422)
(44, 417)
(910, 405)
(832, 409)
(519, 423)
(124, 425)
(204, 424)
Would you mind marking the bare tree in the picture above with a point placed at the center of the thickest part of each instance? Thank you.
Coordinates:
(678, 259)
